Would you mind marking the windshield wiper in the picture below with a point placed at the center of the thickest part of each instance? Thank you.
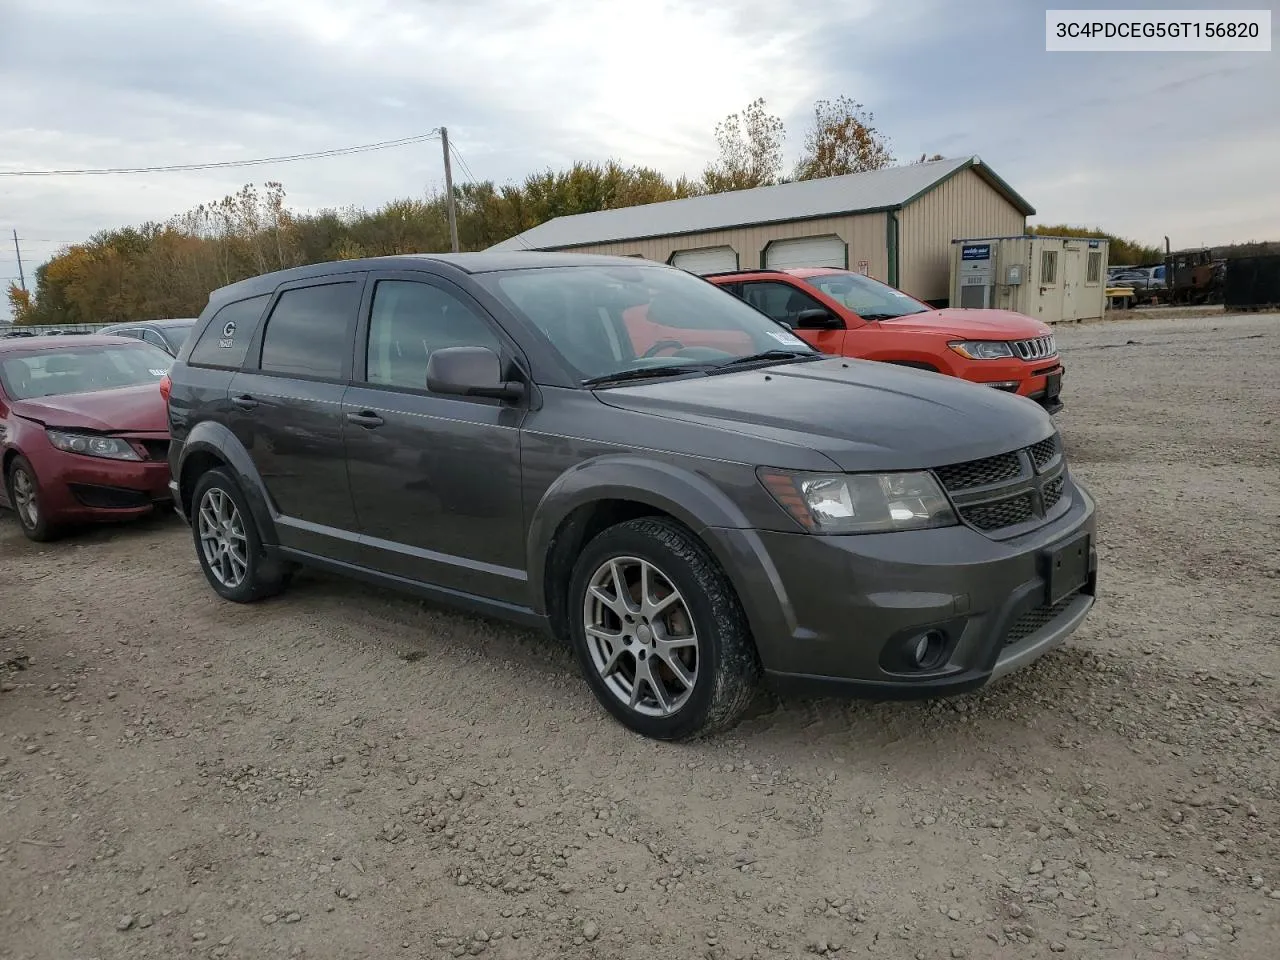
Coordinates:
(869, 317)
(643, 373)
(770, 355)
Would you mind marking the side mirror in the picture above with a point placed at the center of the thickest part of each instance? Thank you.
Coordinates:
(816, 319)
(470, 372)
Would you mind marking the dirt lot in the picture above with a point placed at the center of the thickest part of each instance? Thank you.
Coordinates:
(344, 773)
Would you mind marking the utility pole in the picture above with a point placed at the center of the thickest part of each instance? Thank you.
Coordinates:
(22, 280)
(448, 190)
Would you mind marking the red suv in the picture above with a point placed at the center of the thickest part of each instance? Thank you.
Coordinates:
(851, 315)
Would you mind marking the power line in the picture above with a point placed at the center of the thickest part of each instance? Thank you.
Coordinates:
(226, 164)
(471, 178)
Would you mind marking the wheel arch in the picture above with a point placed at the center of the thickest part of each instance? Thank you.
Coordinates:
(931, 366)
(211, 445)
(602, 493)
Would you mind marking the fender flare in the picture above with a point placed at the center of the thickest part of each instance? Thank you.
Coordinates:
(214, 438)
(687, 497)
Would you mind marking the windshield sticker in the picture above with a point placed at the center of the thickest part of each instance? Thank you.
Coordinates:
(157, 373)
(790, 339)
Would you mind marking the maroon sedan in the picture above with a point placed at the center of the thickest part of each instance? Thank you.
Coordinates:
(84, 434)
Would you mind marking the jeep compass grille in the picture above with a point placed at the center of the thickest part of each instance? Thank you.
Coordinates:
(1037, 348)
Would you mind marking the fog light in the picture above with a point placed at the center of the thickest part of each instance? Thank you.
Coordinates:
(1004, 384)
(926, 650)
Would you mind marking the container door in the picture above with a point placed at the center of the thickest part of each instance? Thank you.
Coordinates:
(1072, 272)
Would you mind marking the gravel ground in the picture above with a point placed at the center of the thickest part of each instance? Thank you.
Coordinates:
(346, 773)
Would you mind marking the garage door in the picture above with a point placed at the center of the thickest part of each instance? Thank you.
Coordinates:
(706, 260)
(805, 252)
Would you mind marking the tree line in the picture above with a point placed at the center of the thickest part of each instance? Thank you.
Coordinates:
(167, 269)
(1119, 250)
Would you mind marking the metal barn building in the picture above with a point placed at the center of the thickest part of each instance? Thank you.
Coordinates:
(895, 224)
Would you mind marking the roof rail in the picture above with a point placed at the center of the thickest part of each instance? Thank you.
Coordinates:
(733, 273)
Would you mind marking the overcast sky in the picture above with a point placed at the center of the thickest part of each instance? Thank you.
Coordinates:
(1141, 144)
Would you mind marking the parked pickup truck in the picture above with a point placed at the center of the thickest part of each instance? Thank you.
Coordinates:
(852, 315)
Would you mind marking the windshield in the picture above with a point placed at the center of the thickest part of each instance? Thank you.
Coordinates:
(53, 373)
(608, 320)
(869, 299)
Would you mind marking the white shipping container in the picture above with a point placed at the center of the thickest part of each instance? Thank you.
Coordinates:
(1053, 279)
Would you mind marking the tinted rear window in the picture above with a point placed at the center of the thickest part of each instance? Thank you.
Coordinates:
(225, 340)
(309, 332)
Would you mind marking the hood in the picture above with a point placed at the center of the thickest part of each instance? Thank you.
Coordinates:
(138, 409)
(860, 414)
(972, 324)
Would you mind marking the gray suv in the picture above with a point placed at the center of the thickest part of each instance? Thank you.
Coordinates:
(640, 463)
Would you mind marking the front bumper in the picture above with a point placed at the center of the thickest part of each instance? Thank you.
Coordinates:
(836, 615)
(1040, 381)
(76, 489)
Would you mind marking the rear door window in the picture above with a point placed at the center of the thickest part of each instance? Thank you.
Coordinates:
(309, 331)
(225, 340)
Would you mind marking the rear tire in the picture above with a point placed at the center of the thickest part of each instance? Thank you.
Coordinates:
(659, 632)
(228, 544)
(26, 498)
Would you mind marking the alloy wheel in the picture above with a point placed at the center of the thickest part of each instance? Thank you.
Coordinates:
(640, 636)
(25, 501)
(222, 538)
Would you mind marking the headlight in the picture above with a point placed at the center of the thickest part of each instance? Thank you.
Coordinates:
(860, 502)
(91, 445)
(982, 349)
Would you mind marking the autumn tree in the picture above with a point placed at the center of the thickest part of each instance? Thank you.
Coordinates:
(840, 140)
(750, 144)
(20, 304)
(169, 269)
(1119, 249)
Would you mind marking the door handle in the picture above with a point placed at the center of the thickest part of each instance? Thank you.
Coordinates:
(365, 418)
(244, 402)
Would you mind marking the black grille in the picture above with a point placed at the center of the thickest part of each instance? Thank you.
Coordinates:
(979, 473)
(156, 449)
(997, 492)
(1042, 453)
(1053, 492)
(1006, 513)
(108, 498)
(1036, 619)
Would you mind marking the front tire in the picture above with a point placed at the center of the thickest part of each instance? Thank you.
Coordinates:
(228, 544)
(659, 632)
(25, 497)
